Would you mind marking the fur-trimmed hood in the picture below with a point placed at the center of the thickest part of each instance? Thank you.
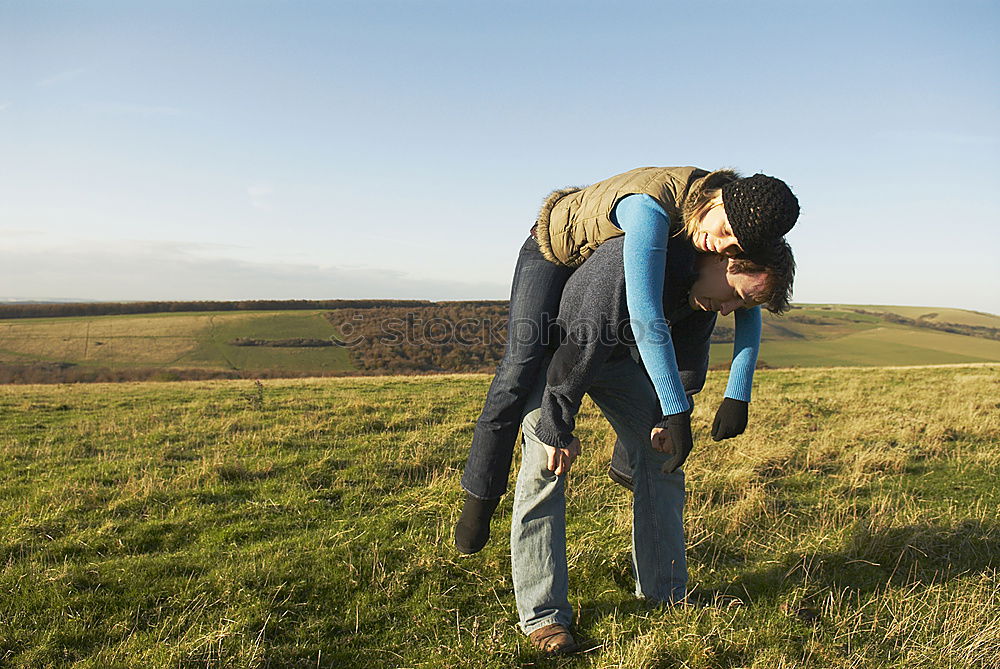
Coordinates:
(544, 214)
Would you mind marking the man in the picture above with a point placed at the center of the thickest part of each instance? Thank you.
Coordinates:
(596, 359)
(721, 287)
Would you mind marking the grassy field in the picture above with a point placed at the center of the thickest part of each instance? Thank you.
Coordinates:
(876, 346)
(307, 523)
(809, 336)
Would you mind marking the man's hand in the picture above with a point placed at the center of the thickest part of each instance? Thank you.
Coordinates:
(672, 435)
(561, 459)
(730, 419)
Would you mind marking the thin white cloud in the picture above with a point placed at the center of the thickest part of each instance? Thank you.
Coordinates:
(181, 271)
(8, 233)
(5, 105)
(59, 78)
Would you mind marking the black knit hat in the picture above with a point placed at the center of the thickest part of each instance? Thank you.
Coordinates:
(761, 209)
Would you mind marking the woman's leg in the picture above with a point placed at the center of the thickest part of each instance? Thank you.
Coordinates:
(534, 305)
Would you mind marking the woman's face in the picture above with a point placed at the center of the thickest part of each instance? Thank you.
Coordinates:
(715, 235)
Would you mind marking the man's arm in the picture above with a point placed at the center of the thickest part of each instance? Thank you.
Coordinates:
(590, 312)
(573, 368)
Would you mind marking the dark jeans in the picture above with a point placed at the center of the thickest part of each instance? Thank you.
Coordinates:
(534, 305)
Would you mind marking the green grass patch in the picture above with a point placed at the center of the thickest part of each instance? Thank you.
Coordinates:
(216, 349)
(308, 523)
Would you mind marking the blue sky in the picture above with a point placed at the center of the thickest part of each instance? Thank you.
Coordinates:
(234, 150)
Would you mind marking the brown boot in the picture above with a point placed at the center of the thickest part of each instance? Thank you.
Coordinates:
(553, 640)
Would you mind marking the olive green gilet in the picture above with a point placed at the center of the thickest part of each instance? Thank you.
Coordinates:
(575, 221)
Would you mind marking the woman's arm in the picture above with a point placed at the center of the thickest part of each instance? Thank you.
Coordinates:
(746, 346)
(733, 414)
(647, 230)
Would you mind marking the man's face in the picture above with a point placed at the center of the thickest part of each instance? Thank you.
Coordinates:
(718, 289)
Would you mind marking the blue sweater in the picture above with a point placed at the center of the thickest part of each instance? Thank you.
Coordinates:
(647, 232)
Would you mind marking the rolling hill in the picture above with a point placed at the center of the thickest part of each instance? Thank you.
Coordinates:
(832, 335)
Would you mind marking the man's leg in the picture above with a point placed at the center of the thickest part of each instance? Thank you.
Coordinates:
(538, 533)
(620, 469)
(627, 399)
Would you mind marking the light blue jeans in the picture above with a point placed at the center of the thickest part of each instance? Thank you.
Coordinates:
(538, 527)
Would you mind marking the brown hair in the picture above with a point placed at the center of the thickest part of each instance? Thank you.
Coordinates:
(775, 291)
(705, 194)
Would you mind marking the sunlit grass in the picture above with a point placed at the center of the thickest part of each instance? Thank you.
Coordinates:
(207, 524)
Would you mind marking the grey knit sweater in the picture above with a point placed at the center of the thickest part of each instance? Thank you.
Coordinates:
(594, 318)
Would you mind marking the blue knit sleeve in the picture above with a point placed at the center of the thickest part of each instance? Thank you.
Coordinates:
(745, 348)
(647, 229)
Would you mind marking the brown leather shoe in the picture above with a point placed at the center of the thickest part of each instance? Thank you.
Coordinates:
(553, 639)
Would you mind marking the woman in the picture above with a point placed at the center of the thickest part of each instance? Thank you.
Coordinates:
(717, 212)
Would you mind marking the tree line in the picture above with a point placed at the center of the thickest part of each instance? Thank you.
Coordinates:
(57, 309)
(438, 337)
(925, 322)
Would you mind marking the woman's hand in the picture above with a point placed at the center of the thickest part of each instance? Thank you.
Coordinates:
(731, 419)
(561, 459)
(672, 435)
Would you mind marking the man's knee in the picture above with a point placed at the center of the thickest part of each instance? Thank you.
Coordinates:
(529, 423)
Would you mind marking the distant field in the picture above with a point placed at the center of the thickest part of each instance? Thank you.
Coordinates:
(307, 523)
(187, 340)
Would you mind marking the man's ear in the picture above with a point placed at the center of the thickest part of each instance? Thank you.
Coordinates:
(732, 268)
